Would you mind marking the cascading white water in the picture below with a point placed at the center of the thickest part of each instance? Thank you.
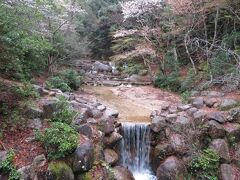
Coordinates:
(135, 150)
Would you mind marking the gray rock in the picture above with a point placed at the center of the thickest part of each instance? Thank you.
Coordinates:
(216, 116)
(36, 124)
(210, 102)
(83, 158)
(228, 103)
(227, 172)
(198, 102)
(112, 113)
(111, 157)
(112, 139)
(232, 130)
(212, 94)
(184, 122)
(199, 117)
(122, 173)
(172, 109)
(135, 78)
(171, 118)
(234, 114)
(158, 124)
(107, 126)
(100, 67)
(33, 112)
(49, 107)
(86, 130)
(96, 113)
(3, 155)
(184, 107)
(178, 143)
(215, 130)
(171, 169)
(191, 111)
(221, 147)
(25, 172)
(38, 162)
(101, 108)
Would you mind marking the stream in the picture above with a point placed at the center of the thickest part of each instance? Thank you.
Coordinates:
(135, 105)
(135, 150)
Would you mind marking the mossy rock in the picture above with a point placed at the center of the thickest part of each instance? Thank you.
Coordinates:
(60, 170)
(97, 172)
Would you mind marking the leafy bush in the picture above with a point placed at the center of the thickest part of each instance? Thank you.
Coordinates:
(27, 90)
(170, 82)
(188, 81)
(65, 81)
(206, 165)
(65, 113)
(57, 82)
(132, 68)
(7, 166)
(185, 96)
(60, 140)
(71, 78)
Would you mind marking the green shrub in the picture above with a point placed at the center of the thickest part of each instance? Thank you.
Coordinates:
(132, 68)
(58, 83)
(7, 166)
(71, 78)
(206, 165)
(185, 96)
(65, 113)
(27, 90)
(60, 140)
(188, 81)
(65, 81)
(170, 82)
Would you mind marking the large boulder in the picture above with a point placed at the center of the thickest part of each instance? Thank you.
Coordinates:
(198, 102)
(83, 158)
(98, 66)
(122, 173)
(216, 116)
(199, 117)
(49, 107)
(228, 103)
(112, 139)
(228, 172)
(38, 162)
(25, 172)
(158, 124)
(33, 112)
(221, 147)
(107, 126)
(234, 114)
(232, 130)
(86, 130)
(111, 157)
(3, 155)
(171, 169)
(59, 170)
(178, 143)
(215, 130)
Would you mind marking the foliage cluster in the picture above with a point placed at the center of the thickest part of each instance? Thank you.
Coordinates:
(65, 113)
(206, 165)
(66, 81)
(132, 68)
(60, 140)
(7, 166)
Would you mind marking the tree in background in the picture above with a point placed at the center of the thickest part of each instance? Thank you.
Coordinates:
(101, 17)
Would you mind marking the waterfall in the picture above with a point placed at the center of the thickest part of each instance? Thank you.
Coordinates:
(135, 150)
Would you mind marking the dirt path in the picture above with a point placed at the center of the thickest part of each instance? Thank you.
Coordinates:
(135, 104)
